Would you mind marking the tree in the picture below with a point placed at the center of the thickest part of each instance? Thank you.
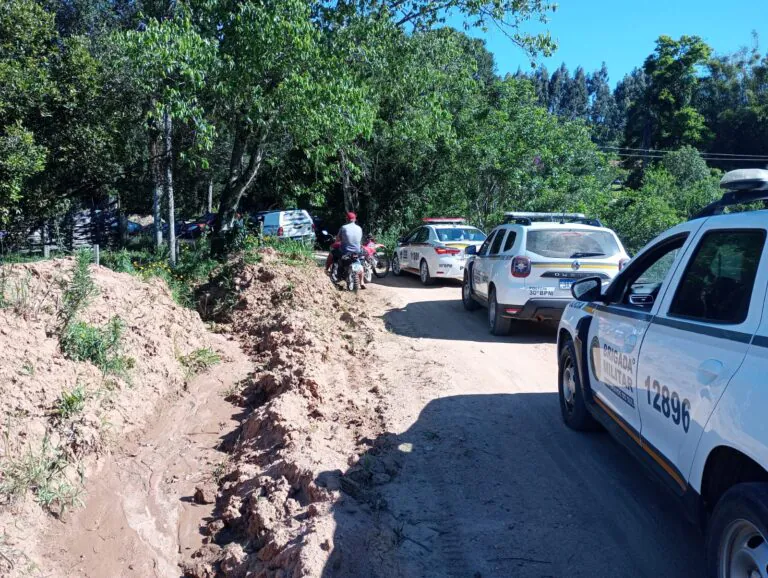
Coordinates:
(558, 90)
(170, 61)
(603, 111)
(576, 102)
(666, 118)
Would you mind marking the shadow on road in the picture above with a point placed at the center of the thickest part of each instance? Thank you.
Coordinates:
(406, 280)
(449, 320)
(496, 486)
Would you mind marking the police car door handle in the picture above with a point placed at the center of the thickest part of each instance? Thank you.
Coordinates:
(709, 371)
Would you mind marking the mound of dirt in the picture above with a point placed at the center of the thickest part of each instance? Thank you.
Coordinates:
(312, 405)
(56, 412)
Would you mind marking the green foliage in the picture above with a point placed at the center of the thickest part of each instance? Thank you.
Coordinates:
(71, 402)
(41, 471)
(101, 346)
(199, 361)
(80, 289)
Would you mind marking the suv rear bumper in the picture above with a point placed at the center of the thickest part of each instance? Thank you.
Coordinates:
(537, 309)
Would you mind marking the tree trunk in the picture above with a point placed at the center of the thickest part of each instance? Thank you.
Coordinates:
(168, 158)
(350, 199)
(155, 172)
(210, 195)
(240, 178)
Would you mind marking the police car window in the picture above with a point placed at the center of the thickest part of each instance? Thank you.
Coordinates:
(639, 285)
(452, 234)
(484, 248)
(496, 245)
(421, 236)
(509, 243)
(571, 244)
(717, 284)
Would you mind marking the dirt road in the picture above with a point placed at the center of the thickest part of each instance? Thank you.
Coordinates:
(492, 483)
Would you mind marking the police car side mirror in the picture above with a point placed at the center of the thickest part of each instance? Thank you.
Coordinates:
(589, 289)
(471, 250)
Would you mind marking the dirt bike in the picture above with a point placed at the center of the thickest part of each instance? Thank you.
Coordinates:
(347, 269)
(376, 261)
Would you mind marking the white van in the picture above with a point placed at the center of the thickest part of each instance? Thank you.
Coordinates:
(293, 224)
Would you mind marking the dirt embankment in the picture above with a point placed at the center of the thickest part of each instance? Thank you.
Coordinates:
(58, 413)
(313, 405)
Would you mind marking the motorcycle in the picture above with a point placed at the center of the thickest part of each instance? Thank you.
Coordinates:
(348, 269)
(376, 260)
(324, 239)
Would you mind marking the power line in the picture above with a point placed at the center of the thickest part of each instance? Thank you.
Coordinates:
(703, 154)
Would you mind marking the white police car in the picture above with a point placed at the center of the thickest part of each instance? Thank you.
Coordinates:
(672, 358)
(435, 250)
(526, 267)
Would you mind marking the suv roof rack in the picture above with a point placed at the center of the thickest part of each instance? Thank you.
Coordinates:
(742, 186)
(524, 218)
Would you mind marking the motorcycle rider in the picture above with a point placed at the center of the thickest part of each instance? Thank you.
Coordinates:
(351, 237)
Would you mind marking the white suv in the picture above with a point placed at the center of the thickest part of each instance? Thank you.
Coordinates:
(672, 359)
(526, 267)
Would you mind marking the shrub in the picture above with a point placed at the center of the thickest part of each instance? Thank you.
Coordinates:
(81, 287)
(99, 345)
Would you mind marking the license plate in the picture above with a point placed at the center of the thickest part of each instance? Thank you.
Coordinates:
(541, 291)
(566, 284)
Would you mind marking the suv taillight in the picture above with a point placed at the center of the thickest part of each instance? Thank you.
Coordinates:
(623, 263)
(279, 231)
(521, 267)
(447, 251)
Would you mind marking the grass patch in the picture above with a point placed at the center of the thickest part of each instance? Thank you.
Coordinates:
(99, 345)
(42, 472)
(71, 403)
(199, 360)
(291, 252)
(15, 293)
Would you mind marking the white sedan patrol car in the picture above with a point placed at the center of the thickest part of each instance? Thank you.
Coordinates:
(526, 267)
(672, 359)
(435, 250)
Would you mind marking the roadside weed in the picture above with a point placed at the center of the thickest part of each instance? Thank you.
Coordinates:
(42, 472)
(80, 289)
(199, 361)
(99, 345)
(71, 402)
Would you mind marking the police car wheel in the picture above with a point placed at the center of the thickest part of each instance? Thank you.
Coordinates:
(396, 270)
(499, 325)
(466, 294)
(738, 532)
(572, 404)
(426, 278)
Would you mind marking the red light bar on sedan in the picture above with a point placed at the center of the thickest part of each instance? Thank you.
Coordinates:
(445, 220)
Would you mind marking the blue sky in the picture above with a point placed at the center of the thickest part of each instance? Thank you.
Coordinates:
(622, 32)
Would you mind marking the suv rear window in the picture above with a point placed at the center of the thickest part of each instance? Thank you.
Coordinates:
(571, 244)
(460, 234)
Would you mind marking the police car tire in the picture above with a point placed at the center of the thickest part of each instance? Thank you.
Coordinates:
(396, 270)
(499, 324)
(429, 280)
(576, 417)
(469, 303)
(746, 501)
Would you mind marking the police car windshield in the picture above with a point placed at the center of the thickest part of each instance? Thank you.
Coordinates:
(453, 234)
(572, 244)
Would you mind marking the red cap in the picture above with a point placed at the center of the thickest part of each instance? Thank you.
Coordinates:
(351, 216)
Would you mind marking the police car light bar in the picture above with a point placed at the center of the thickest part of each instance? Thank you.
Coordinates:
(445, 220)
(544, 216)
(745, 180)
(742, 186)
(525, 219)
